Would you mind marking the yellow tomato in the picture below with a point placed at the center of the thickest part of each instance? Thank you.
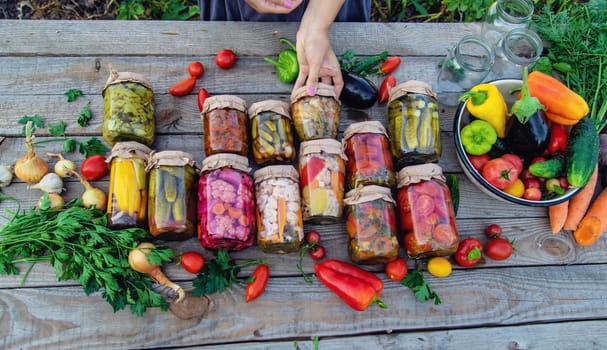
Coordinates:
(439, 266)
(516, 189)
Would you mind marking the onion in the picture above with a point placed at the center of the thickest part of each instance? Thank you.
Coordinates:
(50, 183)
(6, 175)
(138, 260)
(56, 201)
(92, 196)
(30, 168)
(63, 167)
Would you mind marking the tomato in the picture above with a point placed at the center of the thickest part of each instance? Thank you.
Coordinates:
(515, 160)
(423, 205)
(500, 173)
(202, 96)
(517, 189)
(478, 162)
(196, 69)
(439, 266)
(414, 247)
(494, 231)
(226, 59)
(192, 261)
(499, 249)
(533, 194)
(526, 175)
(532, 183)
(397, 269)
(183, 87)
(384, 89)
(256, 287)
(564, 182)
(317, 252)
(312, 236)
(94, 167)
(444, 235)
(389, 65)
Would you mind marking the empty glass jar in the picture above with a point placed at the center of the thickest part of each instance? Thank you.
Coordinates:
(520, 47)
(503, 16)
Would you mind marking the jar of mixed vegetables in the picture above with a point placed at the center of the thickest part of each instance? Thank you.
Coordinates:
(172, 195)
(224, 122)
(272, 136)
(226, 203)
(413, 124)
(128, 109)
(371, 225)
(322, 173)
(367, 150)
(315, 117)
(425, 209)
(279, 224)
(128, 189)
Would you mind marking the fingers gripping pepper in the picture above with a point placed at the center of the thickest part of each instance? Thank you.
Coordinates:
(478, 137)
(356, 287)
(469, 252)
(487, 103)
(287, 66)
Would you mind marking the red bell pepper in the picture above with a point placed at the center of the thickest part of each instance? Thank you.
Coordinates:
(311, 169)
(356, 287)
(469, 252)
(559, 136)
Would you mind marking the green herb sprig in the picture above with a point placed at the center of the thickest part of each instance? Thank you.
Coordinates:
(85, 113)
(417, 283)
(361, 67)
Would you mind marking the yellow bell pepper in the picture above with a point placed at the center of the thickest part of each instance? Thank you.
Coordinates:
(486, 102)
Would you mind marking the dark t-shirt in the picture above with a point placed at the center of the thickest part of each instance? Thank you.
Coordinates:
(239, 10)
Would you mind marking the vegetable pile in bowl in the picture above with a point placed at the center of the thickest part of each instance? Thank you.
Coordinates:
(516, 151)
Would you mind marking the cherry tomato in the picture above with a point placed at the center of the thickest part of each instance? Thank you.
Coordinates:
(256, 287)
(478, 162)
(384, 89)
(196, 69)
(515, 160)
(202, 96)
(500, 173)
(532, 194)
(499, 249)
(317, 252)
(183, 87)
(312, 236)
(94, 167)
(397, 269)
(526, 175)
(226, 59)
(494, 231)
(564, 182)
(389, 65)
(192, 261)
(439, 266)
(414, 247)
(532, 183)
(444, 235)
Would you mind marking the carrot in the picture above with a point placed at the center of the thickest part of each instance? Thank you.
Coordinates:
(557, 214)
(594, 222)
(580, 203)
(282, 216)
(218, 208)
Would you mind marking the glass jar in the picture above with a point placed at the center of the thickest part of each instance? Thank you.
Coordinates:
(413, 124)
(224, 122)
(520, 47)
(226, 206)
(172, 195)
(128, 189)
(322, 173)
(315, 117)
(367, 150)
(128, 109)
(503, 16)
(425, 210)
(279, 223)
(272, 137)
(371, 225)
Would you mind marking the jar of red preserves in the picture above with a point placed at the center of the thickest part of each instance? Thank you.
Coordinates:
(322, 173)
(224, 122)
(226, 203)
(272, 136)
(425, 209)
(371, 225)
(315, 117)
(367, 150)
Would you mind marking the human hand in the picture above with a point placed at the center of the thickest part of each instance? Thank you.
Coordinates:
(274, 6)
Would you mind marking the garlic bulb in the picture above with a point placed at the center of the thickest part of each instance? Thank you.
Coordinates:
(50, 183)
(6, 175)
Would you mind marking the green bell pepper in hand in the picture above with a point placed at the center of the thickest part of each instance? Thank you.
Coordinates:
(478, 137)
(287, 66)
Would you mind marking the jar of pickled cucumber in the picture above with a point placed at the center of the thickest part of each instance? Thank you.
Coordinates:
(224, 122)
(315, 117)
(128, 189)
(367, 150)
(272, 138)
(279, 224)
(226, 203)
(371, 225)
(128, 109)
(425, 210)
(172, 195)
(322, 172)
(413, 124)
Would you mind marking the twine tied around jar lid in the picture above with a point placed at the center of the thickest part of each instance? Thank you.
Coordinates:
(362, 194)
(417, 173)
(411, 87)
(129, 149)
(169, 158)
(371, 126)
(118, 77)
(276, 171)
(330, 146)
(275, 106)
(224, 101)
(322, 90)
(222, 160)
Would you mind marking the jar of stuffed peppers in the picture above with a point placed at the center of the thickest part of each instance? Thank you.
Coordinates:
(367, 150)
(226, 203)
(413, 124)
(272, 136)
(128, 109)
(224, 121)
(315, 117)
(425, 210)
(172, 195)
(128, 189)
(279, 224)
(371, 225)
(322, 173)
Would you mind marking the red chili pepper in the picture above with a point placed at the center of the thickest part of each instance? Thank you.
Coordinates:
(202, 96)
(469, 252)
(256, 287)
(384, 88)
(356, 287)
(183, 87)
(559, 136)
(389, 65)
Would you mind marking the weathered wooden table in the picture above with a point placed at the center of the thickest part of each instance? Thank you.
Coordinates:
(550, 295)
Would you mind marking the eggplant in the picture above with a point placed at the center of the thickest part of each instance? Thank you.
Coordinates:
(528, 140)
(358, 92)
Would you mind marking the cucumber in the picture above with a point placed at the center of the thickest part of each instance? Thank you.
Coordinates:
(582, 152)
(548, 169)
(453, 184)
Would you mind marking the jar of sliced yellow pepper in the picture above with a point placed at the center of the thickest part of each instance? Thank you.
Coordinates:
(128, 189)
(172, 195)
